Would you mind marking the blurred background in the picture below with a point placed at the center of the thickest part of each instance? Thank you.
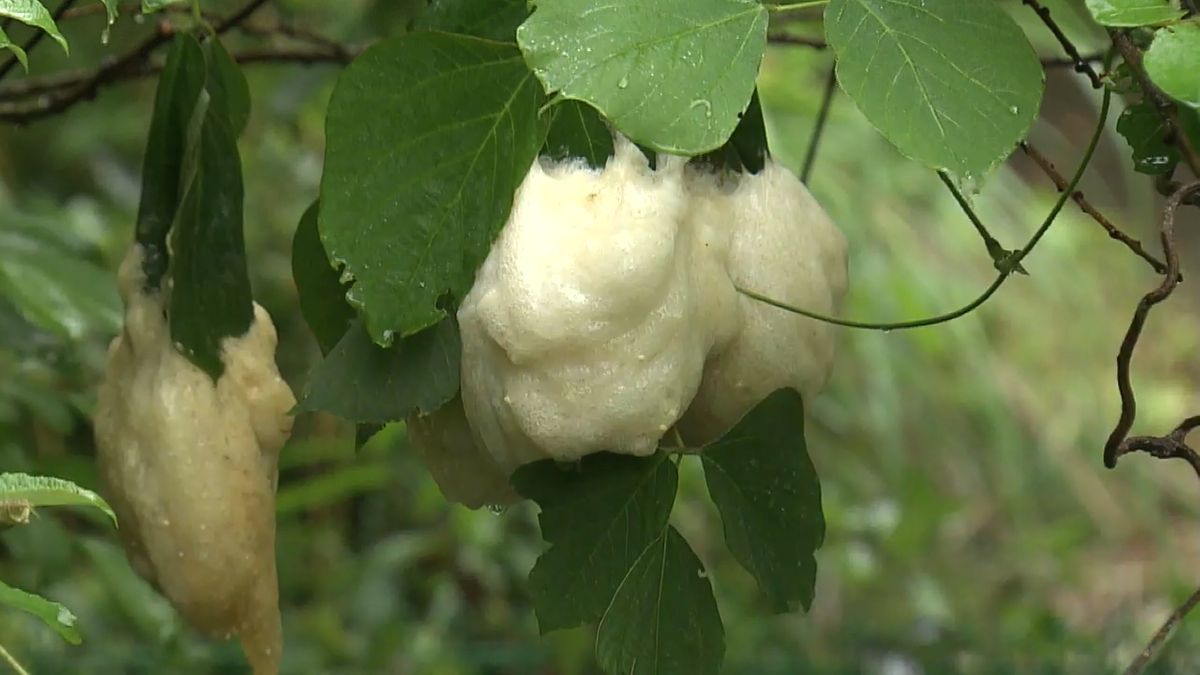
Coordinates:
(971, 525)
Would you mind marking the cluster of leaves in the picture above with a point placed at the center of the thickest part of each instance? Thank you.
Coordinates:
(1172, 62)
(34, 13)
(20, 494)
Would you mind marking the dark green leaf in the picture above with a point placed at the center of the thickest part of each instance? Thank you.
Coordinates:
(579, 131)
(429, 136)
(488, 19)
(37, 491)
(1133, 12)
(670, 74)
(179, 88)
(33, 13)
(663, 619)
(1173, 62)
(1144, 131)
(322, 294)
(746, 149)
(766, 488)
(211, 299)
(228, 87)
(954, 84)
(52, 614)
(598, 518)
(363, 382)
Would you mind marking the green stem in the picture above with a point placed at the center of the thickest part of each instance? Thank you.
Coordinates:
(787, 7)
(988, 239)
(12, 661)
(1004, 275)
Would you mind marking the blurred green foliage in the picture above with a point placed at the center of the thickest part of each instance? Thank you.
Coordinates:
(971, 526)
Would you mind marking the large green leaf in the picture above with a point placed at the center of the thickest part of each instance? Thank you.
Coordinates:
(579, 131)
(489, 19)
(954, 84)
(320, 290)
(179, 88)
(36, 491)
(363, 382)
(33, 13)
(1133, 12)
(429, 136)
(1173, 62)
(663, 619)
(670, 74)
(53, 288)
(52, 614)
(766, 488)
(598, 517)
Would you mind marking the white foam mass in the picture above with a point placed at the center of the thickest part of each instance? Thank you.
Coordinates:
(606, 312)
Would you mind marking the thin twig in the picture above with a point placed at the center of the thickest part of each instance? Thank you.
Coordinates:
(995, 251)
(810, 156)
(1162, 103)
(1174, 444)
(1164, 634)
(1013, 262)
(1113, 231)
(32, 87)
(38, 36)
(12, 662)
(797, 40)
(1077, 60)
(122, 67)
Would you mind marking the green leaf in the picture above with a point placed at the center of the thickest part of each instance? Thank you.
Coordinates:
(1145, 132)
(579, 131)
(52, 614)
(112, 8)
(766, 488)
(747, 148)
(429, 136)
(38, 491)
(488, 19)
(363, 382)
(54, 288)
(1173, 62)
(227, 86)
(179, 88)
(322, 294)
(663, 619)
(33, 13)
(671, 74)
(6, 43)
(210, 297)
(1133, 12)
(598, 517)
(150, 6)
(954, 84)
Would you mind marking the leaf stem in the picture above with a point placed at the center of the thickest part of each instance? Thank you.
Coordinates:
(1012, 264)
(790, 6)
(12, 662)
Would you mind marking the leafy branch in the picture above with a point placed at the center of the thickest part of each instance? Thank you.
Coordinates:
(35, 98)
